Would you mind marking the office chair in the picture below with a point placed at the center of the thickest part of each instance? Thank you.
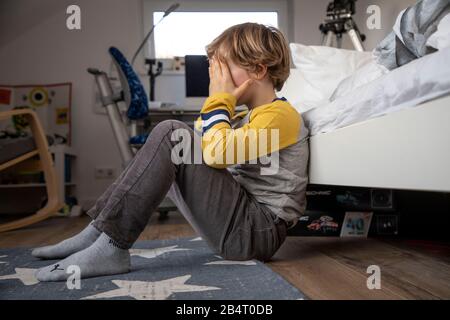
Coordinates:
(135, 98)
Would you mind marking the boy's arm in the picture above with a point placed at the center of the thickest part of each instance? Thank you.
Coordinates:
(272, 127)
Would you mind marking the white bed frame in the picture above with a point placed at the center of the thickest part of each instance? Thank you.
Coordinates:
(407, 150)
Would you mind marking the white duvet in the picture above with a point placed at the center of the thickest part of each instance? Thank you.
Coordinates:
(421, 80)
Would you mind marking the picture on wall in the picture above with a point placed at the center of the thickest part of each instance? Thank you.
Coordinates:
(51, 102)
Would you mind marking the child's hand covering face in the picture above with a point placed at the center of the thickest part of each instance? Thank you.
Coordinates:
(222, 81)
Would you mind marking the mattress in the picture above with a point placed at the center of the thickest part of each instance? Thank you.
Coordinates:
(419, 81)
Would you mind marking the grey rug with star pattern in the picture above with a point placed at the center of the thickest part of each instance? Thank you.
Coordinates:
(180, 269)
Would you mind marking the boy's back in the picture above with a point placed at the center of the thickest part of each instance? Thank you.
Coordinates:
(282, 189)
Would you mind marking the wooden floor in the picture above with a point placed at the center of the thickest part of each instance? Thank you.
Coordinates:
(322, 268)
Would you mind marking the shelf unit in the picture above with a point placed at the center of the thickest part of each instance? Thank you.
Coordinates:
(59, 153)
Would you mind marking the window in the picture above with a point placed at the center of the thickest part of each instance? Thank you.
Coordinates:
(183, 33)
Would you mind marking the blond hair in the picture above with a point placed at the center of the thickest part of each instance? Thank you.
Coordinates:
(250, 45)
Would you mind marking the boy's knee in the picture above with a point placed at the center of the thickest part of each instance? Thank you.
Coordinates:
(170, 125)
(165, 129)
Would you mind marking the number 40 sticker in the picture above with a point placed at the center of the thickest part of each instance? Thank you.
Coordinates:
(356, 224)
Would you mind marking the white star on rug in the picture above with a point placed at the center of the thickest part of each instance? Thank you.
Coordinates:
(3, 261)
(153, 253)
(23, 274)
(231, 262)
(197, 239)
(147, 290)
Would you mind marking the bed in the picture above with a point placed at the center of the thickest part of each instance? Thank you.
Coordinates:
(391, 133)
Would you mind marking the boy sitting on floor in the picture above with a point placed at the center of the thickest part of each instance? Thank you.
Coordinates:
(244, 194)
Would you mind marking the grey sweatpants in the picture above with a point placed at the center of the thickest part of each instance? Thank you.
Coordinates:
(228, 218)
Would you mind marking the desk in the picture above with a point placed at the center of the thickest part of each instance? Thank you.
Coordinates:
(186, 114)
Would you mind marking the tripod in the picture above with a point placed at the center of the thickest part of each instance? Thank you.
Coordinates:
(339, 21)
(152, 75)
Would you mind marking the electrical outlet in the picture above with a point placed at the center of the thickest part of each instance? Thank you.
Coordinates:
(105, 173)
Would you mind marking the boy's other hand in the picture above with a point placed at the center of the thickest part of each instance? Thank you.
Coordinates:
(221, 80)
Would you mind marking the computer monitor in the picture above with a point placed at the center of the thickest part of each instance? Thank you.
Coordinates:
(197, 76)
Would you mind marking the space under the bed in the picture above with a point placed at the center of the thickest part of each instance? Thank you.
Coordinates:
(408, 150)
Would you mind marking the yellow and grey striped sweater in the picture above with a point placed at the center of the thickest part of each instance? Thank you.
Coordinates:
(266, 150)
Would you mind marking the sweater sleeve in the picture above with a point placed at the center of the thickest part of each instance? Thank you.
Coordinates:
(271, 127)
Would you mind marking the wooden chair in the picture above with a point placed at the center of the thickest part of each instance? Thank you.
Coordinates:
(45, 164)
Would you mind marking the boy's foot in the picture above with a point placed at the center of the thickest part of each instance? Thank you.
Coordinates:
(67, 247)
(102, 258)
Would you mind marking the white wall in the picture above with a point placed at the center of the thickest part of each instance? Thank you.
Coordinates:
(44, 51)
(308, 15)
(36, 47)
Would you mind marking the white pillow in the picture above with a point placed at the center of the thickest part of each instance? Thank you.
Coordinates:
(319, 70)
(441, 38)
(360, 77)
(295, 90)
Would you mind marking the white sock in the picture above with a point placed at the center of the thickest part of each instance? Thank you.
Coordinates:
(102, 258)
(69, 246)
